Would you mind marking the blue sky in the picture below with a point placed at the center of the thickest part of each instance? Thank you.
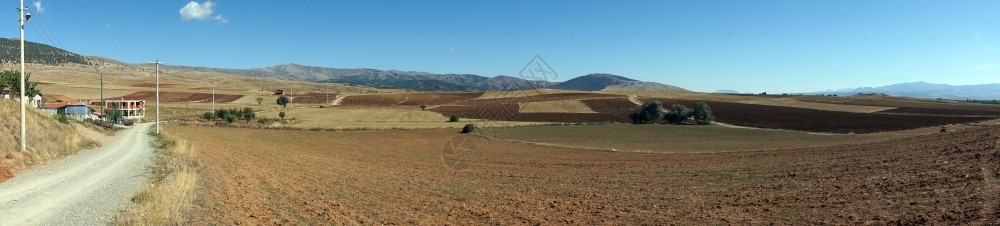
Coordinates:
(751, 46)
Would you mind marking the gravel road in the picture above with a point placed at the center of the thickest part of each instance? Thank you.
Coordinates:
(87, 188)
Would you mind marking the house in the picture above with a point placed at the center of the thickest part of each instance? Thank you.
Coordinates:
(53, 108)
(279, 92)
(77, 111)
(131, 109)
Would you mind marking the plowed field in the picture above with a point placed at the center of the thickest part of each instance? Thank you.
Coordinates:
(802, 119)
(173, 97)
(400, 177)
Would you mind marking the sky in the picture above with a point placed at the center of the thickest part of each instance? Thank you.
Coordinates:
(749, 46)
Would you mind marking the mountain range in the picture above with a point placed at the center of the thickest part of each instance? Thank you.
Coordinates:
(928, 90)
(425, 81)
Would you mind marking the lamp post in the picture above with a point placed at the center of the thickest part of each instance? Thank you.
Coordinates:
(24, 18)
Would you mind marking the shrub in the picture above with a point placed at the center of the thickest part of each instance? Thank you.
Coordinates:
(423, 107)
(468, 128)
(208, 116)
(248, 114)
(259, 100)
(321, 106)
(230, 118)
(702, 113)
(282, 115)
(677, 114)
(62, 118)
(453, 118)
(647, 113)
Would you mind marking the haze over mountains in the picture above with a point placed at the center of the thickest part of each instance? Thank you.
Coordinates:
(928, 90)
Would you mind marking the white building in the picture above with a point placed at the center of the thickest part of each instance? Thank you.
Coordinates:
(131, 109)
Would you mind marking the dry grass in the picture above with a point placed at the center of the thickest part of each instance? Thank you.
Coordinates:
(174, 180)
(368, 118)
(781, 101)
(47, 140)
(559, 106)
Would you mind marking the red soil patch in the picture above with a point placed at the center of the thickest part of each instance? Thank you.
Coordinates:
(173, 97)
(763, 116)
(608, 110)
(5, 174)
(543, 97)
(410, 99)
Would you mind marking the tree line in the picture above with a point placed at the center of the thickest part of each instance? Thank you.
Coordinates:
(651, 111)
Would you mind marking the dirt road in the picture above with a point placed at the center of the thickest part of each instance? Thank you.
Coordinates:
(82, 189)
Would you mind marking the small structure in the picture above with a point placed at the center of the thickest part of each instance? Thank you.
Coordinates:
(53, 108)
(279, 92)
(78, 111)
(131, 109)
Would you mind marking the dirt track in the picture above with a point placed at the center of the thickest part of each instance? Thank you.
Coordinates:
(398, 177)
(82, 189)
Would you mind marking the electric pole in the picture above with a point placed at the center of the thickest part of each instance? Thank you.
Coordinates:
(213, 99)
(23, 19)
(157, 93)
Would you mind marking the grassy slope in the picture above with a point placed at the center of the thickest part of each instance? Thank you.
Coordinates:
(47, 139)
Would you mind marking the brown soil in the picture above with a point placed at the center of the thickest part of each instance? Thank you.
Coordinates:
(153, 85)
(175, 97)
(5, 174)
(399, 177)
(763, 116)
(414, 99)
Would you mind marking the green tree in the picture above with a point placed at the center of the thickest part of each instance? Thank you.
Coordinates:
(208, 116)
(647, 113)
(453, 118)
(677, 114)
(113, 115)
(283, 101)
(248, 114)
(12, 79)
(282, 115)
(423, 107)
(468, 128)
(230, 118)
(260, 100)
(702, 113)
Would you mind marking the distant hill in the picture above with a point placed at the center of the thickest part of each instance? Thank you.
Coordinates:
(928, 90)
(597, 82)
(425, 81)
(728, 91)
(37, 53)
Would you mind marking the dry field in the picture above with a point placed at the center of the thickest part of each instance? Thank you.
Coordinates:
(403, 177)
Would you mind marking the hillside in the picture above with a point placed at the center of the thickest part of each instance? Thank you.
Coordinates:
(597, 82)
(37, 53)
(47, 139)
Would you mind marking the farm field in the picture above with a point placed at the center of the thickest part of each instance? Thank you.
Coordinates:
(677, 138)
(400, 177)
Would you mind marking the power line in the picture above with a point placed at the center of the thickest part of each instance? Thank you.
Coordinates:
(122, 41)
(129, 34)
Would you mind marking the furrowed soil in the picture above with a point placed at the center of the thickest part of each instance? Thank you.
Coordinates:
(401, 177)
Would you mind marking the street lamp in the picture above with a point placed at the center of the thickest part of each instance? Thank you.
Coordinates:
(24, 18)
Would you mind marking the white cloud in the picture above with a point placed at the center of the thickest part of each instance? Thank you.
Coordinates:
(38, 6)
(987, 66)
(195, 11)
(221, 20)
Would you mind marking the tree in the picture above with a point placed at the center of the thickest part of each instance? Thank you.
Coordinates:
(468, 128)
(283, 101)
(647, 113)
(423, 107)
(677, 114)
(12, 79)
(260, 100)
(453, 118)
(113, 115)
(208, 116)
(702, 113)
(230, 118)
(282, 115)
(248, 114)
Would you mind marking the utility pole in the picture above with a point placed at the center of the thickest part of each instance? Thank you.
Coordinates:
(213, 99)
(157, 93)
(102, 98)
(290, 99)
(23, 19)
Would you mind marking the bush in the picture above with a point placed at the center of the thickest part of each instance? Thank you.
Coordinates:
(453, 118)
(702, 113)
(248, 114)
(423, 107)
(62, 118)
(282, 115)
(677, 114)
(208, 116)
(647, 113)
(468, 128)
(230, 118)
